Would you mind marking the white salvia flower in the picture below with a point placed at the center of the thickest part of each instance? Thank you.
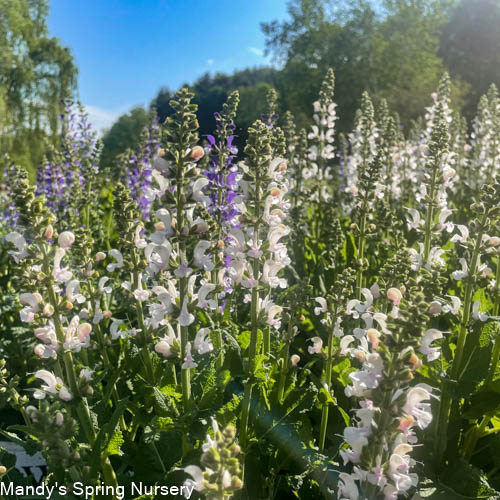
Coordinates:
(198, 195)
(53, 385)
(416, 222)
(197, 474)
(442, 224)
(183, 270)
(45, 351)
(188, 360)
(317, 345)
(139, 293)
(269, 272)
(200, 260)
(323, 307)
(185, 318)
(435, 259)
(347, 488)
(117, 255)
(139, 241)
(202, 343)
(355, 306)
(415, 407)
(102, 285)
(476, 314)
(202, 296)
(31, 301)
(86, 374)
(294, 359)
(20, 243)
(164, 346)
(463, 236)
(430, 336)
(115, 331)
(59, 274)
(455, 306)
(66, 239)
(72, 292)
(459, 275)
(272, 312)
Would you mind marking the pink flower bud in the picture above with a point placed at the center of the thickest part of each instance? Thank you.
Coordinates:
(100, 256)
(434, 308)
(394, 295)
(49, 232)
(84, 331)
(107, 314)
(294, 359)
(59, 418)
(48, 310)
(197, 153)
(66, 239)
(373, 336)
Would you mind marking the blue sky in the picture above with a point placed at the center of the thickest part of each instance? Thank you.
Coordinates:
(126, 49)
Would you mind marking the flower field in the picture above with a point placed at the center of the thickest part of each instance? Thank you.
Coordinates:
(307, 315)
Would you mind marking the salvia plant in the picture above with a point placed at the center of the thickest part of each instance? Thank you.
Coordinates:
(314, 315)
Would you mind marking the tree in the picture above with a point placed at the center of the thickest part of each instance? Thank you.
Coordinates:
(391, 51)
(470, 46)
(36, 73)
(123, 134)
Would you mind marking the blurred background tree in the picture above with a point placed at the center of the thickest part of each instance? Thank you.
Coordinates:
(36, 72)
(395, 49)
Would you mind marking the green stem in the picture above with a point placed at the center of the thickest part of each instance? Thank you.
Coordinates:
(430, 215)
(285, 364)
(441, 435)
(328, 382)
(361, 251)
(478, 431)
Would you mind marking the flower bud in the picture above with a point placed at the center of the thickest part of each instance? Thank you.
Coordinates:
(394, 295)
(66, 239)
(302, 318)
(294, 359)
(275, 191)
(67, 305)
(372, 227)
(494, 241)
(374, 337)
(100, 256)
(48, 310)
(220, 244)
(3, 470)
(236, 483)
(84, 331)
(49, 232)
(59, 418)
(160, 226)
(434, 308)
(197, 153)
(107, 314)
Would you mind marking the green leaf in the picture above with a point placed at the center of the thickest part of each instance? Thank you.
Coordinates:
(481, 403)
(114, 444)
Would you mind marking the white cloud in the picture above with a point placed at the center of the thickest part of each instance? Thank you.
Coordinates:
(210, 62)
(256, 51)
(100, 118)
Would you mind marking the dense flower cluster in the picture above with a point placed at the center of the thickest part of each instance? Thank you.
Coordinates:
(319, 297)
